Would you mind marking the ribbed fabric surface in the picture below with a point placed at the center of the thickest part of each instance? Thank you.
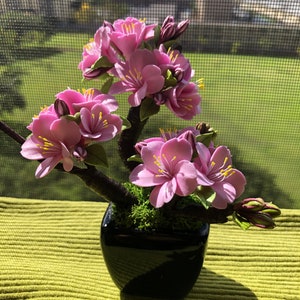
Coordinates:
(50, 249)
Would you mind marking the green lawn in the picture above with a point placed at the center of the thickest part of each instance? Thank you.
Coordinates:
(254, 103)
(251, 101)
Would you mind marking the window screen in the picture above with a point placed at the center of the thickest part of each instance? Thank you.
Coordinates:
(246, 51)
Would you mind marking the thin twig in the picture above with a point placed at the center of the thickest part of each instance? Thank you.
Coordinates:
(11, 133)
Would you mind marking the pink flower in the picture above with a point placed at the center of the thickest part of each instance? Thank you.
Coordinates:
(168, 168)
(52, 140)
(139, 145)
(215, 170)
(183, 100)
(76, 100)
(98, 48)
(48, 110)
(139, 75)
(174, 61)
(129, 34)
(188, 133)
(98, 124)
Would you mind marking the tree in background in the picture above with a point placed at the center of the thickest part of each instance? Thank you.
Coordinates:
(89, 11)
(18, 30)
(27, 27)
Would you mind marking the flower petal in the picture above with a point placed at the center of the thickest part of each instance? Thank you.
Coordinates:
(66, 131)
(143, 177)
(163, 194)
(186, 178)
(238, 180)
(225, 193)
(46, 166)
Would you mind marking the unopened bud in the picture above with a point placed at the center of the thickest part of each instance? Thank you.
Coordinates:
(272, 210)
(80, 153)
(252, 204)
(262, 220)
(61, 108)
(159, 99)
(178, 74)
(257, 212)
(170, 30)
(181, 28)
(203, 127)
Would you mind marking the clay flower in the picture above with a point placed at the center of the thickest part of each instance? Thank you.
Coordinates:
(183, 100)
(140, 75)
(98, 124)
(167, 167)
(52, 140)
(174, 65)
(215, 170)
(98, 56)
(76, 100)
(127, 35)
(145, 63)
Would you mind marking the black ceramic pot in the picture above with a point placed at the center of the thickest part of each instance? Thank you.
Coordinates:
(153, 264)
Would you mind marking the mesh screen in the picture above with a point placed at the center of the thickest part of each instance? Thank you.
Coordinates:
(246, 51)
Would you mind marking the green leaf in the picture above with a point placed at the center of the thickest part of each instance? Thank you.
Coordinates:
(96, 155)
(240, 221)
(206, 138)
(75, 118)
(170, 80)
(136, 158)
(126, 124)
(157, 30)
(205, 195)
(146, 45)
(148, 109)
(170, 44)
(107, 84)
(102, 62)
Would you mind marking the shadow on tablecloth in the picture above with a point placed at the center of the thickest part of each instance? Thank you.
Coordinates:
(211, 286)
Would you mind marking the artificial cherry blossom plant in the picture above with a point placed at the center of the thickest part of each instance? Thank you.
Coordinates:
(180, 175)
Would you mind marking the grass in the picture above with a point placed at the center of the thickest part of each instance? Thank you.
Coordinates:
(251, 101)
(254, 102)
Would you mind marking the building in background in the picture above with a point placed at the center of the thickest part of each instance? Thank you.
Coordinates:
(154, 10)
(207, 11)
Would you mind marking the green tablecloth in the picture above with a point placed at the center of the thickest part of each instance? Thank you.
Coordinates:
(50, 249)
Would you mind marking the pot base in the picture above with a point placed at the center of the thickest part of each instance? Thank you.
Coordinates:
(153, 264)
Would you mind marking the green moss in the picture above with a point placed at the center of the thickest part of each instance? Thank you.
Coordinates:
(144, 216)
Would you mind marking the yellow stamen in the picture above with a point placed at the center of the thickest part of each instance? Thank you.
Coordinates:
(188, 107)
(136, 74)
(88, 91)
(128, 28)
(43, 108)
(105, 123)
(168, 133)
(45, 145)
(227, 172)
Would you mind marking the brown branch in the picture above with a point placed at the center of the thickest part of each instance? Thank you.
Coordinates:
(130, 136)
(11, 133)
(211, 215)
(106, 187)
